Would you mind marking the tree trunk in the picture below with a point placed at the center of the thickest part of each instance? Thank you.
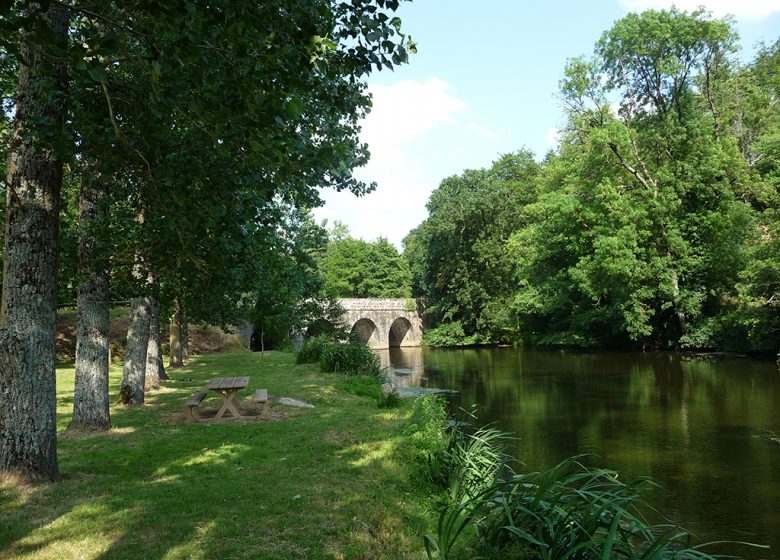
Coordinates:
(185, 336)
(153, 352)
(90, 398)
(176, 360)
(28, 438)
(134, 373)
(163, 376)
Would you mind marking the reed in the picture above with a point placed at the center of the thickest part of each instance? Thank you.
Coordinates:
(568, 512)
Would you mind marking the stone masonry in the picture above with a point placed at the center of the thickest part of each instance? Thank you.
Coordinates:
(383, 323)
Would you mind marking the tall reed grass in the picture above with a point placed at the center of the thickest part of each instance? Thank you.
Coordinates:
(567, 512)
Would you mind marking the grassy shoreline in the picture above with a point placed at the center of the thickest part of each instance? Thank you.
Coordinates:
(328, 482)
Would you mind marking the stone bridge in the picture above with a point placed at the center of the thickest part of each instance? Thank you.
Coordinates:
(383, 323)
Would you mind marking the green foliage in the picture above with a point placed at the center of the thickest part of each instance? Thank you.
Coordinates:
(572, 511)
(642, 228)
(426, 439)
(287, 287)
(313, 349)
(458, 257)
(350, 358)
(654, 223)
(361, 269)
(451, 334)
(206, 126)
(747, 329)
(371, 386)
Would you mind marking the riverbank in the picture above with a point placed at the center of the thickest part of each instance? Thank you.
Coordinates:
(325, 482)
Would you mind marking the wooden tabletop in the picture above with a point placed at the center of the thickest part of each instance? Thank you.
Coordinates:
(219, 383)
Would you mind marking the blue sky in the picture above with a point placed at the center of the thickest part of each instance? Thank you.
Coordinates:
(484, 82)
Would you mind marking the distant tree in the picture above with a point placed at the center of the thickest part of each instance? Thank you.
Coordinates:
(353, 268)
(288, 293)
(458, 254)
(641, 230)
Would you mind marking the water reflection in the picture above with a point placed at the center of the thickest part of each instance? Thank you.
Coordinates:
(701, 428)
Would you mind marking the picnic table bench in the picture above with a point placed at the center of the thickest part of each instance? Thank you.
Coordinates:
(226, 388)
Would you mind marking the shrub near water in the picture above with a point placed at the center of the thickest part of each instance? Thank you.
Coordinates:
(352, 358)
(426, 438)
(312, 349)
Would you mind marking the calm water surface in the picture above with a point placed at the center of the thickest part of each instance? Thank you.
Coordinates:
(707, 430)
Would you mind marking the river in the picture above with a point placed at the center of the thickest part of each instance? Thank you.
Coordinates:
(706, 429)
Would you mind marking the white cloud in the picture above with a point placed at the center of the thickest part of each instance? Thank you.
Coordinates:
(483, 131)
(553, 136)
(402, 113)
(742, 9)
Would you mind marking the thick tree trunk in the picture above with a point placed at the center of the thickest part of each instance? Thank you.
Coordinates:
(28, 440)
(176, 358)
(153, 353)
(90, 399)
(134, 373)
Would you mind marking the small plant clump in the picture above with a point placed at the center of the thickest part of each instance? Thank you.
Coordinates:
(390, 399)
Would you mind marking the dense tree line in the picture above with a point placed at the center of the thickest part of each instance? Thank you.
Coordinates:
(354, 268)
(173, 148)
(654, 223)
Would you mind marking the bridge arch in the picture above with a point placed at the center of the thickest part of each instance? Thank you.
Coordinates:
(367, 332)
(383, 323)
(399, 330)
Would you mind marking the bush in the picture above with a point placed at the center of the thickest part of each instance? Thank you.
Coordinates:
(568, 511)
(451, 334)
(754, 330)
(352, 358)
(312, 349)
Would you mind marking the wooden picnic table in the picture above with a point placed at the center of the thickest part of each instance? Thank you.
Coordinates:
(227, 387)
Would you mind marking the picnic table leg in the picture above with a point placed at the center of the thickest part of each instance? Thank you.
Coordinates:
(228, 404)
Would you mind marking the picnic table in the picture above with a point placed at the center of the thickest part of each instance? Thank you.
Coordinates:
(227, 387)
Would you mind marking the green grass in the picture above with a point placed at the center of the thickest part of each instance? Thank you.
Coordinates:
(327, 482)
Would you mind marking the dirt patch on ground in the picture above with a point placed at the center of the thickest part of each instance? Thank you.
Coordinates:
(202, 340)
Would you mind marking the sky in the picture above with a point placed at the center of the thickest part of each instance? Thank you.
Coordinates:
(484, 82)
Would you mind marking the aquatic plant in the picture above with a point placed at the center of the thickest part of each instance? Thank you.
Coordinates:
(568, 512)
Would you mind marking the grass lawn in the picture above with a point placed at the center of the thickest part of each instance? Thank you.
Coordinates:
(327, 482)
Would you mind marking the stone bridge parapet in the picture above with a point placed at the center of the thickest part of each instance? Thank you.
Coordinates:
(383, 323)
